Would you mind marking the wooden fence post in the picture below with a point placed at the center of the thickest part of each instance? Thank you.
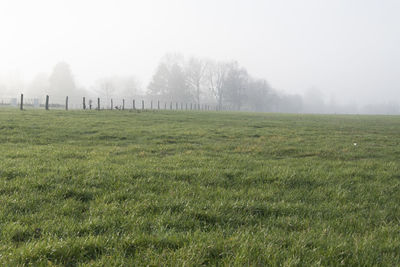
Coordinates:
(47, 102)
(123, 104)
(111, 104)
(133, 104)
(66, 103)
(98, 103)
(142, 104)
(22, 102)
(158, 104)
(84, 103)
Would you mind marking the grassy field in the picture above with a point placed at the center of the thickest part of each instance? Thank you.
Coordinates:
(191, 188)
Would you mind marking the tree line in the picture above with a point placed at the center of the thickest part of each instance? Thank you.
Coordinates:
(209, 81)
(221, 84)
(199, 81)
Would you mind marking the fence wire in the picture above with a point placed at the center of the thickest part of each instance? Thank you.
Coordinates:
(104, 103)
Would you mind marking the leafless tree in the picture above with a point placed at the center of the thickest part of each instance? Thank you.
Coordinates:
(195, 70)
(216, 74)
(106, 87)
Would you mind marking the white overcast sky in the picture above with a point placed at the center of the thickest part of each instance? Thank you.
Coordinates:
(348, 49)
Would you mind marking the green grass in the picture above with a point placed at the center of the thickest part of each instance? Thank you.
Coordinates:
(190, 188)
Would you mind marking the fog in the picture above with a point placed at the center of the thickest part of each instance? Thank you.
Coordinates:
(307, 56)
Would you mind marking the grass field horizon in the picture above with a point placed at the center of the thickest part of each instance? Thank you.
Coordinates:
(198, 188)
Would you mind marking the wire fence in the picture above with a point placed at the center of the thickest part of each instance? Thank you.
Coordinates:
(106, 103)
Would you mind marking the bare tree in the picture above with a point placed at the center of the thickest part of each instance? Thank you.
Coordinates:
(130, 86)
(216, 74)
(106, 87)
(195, 70)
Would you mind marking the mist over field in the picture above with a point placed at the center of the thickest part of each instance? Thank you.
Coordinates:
(266, 56)
(194, 133)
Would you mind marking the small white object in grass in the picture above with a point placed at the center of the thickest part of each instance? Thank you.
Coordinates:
(354, 144)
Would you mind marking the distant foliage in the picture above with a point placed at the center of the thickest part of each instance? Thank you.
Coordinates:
(61, 81)
(170, 82)
(226, 84)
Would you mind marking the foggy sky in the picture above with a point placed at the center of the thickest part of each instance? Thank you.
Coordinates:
(347, 49)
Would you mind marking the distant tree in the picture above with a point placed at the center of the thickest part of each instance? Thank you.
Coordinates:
(117, 86)
(177, 85)
(235, 85)
(259, 95)
(169, 82)
(159, 85)
(61, 81)
(216, 73)
(227, 82)
(105, 87)
(195, 70)
(129, 85)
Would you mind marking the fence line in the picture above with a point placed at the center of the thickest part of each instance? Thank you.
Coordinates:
(50, 103)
